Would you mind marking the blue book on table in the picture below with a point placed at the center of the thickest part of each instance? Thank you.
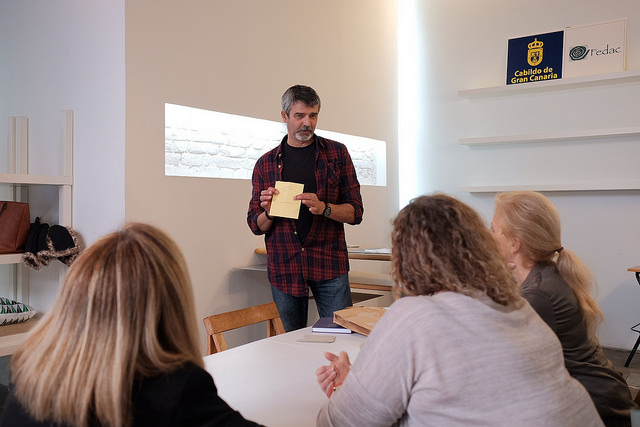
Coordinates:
(326, 325)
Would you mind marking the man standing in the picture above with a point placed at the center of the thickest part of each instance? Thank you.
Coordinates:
(309, 252)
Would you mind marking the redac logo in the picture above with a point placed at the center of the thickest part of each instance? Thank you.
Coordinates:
(578, 53)
(534, 54)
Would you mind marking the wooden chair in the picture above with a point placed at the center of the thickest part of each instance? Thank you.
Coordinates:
(218, 323)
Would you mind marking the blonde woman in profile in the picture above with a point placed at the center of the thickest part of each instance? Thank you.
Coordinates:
(557, 284)
(119, 346)
(452, 352)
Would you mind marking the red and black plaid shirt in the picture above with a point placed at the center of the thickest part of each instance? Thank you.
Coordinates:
(324, 255)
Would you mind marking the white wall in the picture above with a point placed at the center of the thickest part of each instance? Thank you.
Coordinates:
(463, 46)
(68, 55)
(239, 57)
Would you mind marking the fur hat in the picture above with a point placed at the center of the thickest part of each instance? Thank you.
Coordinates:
(63, 243)
(36, 246)
(49, 242)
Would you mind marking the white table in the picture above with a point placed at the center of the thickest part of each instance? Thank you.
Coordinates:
(272, 381)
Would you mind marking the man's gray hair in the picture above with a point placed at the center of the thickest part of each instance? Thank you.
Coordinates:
(300, 93)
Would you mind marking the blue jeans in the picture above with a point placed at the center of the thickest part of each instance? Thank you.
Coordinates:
(330, 295)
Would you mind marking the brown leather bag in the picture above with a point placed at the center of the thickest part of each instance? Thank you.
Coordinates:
(14, 226)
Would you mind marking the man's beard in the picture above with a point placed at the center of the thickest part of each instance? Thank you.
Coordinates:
(304, 138)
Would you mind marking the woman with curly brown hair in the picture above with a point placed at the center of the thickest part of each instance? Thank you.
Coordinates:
(557, 284)
(461, 348)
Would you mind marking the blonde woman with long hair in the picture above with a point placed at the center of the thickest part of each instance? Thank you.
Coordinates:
(557, 284)
(119, 346)
(452, 352)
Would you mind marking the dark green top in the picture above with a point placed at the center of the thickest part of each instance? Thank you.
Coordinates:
(552, 298)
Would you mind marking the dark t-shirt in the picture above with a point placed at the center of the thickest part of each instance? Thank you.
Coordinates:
(299, 165)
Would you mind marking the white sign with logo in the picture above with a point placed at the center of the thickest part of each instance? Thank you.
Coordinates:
(595, 49)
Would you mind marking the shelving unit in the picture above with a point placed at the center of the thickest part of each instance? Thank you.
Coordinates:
(19, 178)
(627, 77)
(617, 186)
(551, 137)
(553, 85)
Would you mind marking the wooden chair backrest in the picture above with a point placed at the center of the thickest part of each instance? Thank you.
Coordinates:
(216, 324)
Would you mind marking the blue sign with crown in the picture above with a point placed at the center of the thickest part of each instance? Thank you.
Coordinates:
(535, 58)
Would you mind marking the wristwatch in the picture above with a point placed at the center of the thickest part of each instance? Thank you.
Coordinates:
(327, 210)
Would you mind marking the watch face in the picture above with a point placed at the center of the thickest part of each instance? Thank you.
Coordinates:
(327, 210)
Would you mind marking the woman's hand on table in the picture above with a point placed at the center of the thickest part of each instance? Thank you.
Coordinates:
(333, 375)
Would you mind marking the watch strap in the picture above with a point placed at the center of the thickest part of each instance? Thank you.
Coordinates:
(327, 210)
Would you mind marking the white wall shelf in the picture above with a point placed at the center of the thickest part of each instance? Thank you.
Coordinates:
(20, 179)
(551, 136)
(26, 179)
(11, 336)
(625, 77)
(553, 85)
(592, 186)
(10, 259)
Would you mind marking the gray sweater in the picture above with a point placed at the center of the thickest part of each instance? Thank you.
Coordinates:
(452, 360)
